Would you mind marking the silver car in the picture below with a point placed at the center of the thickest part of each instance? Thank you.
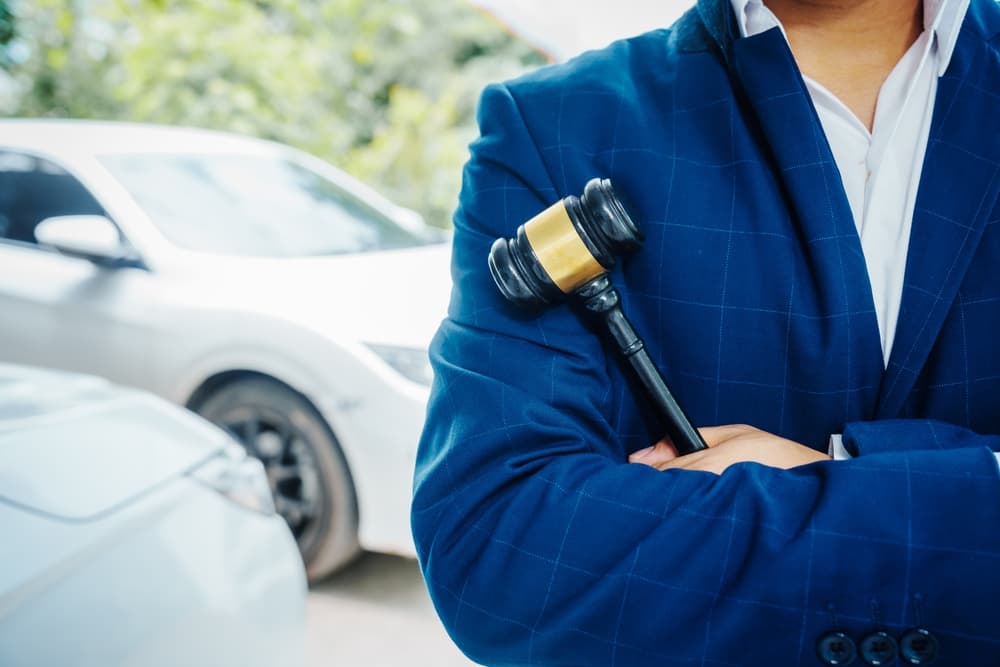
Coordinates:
(250, 282)
(135, 533)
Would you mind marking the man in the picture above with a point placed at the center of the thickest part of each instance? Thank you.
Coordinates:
(794, 277)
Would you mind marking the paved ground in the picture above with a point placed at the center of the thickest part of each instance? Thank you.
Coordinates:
(376, 614)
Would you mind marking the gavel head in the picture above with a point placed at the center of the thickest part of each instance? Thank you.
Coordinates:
(564, 247)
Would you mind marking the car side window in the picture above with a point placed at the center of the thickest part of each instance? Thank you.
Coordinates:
(33, 189)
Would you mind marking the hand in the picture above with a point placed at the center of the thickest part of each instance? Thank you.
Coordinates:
(728, 445)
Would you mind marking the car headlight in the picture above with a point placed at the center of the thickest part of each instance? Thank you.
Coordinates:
(239, 477)
(411, 363)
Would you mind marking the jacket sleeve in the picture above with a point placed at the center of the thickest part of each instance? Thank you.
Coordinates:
(541, 545)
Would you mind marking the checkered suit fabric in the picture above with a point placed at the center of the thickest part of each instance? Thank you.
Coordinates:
(540, 545)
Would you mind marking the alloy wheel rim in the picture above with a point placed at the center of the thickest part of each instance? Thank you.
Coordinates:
(291, 467)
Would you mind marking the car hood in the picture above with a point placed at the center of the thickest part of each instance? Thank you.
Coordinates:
(75, 447)
(396, 297)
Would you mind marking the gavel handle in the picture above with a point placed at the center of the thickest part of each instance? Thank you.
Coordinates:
(601, 298)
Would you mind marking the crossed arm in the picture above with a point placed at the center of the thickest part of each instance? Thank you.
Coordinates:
(540, 546)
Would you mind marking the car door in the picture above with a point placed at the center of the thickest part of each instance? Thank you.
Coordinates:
(60, 311)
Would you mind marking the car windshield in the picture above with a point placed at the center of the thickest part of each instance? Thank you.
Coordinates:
(254, 205)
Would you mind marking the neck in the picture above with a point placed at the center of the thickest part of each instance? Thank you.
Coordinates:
(883, 25)
(850, 46)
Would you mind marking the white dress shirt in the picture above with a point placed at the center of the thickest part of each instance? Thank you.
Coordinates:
(881, 169)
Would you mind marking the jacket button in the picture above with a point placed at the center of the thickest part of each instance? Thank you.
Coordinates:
(836, 648)
(879, 648)
(918, 647)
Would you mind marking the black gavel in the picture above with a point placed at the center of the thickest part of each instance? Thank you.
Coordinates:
(567, 251)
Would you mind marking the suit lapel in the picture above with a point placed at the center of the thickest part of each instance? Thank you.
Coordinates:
(769, 82)
(958, 189)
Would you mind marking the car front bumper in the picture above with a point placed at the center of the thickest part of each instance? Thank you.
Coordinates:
(379, 435)
(181, 576)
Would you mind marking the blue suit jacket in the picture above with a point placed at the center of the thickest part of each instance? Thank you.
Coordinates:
(540, 545)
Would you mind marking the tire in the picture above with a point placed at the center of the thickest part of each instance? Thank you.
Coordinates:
(306, 469)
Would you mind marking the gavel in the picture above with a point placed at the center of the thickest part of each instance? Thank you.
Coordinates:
(565, 252)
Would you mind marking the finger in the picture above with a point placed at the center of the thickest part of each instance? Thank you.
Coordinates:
(716, 435)
(698, 462)
(655, 456)
(689, 462)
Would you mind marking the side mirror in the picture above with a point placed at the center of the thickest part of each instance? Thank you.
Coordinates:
(91, 237)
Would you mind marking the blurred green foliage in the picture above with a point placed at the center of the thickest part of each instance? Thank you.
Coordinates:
(385, 89)
(6, 27)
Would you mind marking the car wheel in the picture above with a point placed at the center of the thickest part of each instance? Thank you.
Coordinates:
(305, 467)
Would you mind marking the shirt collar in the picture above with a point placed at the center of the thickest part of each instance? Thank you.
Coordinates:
(942, 17)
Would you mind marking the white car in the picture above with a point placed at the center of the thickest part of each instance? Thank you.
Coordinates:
(135, 533)
(255, 284)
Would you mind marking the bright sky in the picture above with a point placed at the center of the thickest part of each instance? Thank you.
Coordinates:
(567, 27)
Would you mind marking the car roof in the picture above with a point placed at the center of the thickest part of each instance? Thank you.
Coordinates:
(59, 136)
(71, 138)
(27, 392)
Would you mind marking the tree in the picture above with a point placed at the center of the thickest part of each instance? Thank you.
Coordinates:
(386, 89)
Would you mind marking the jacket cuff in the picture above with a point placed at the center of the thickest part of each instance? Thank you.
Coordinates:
(864, 438)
